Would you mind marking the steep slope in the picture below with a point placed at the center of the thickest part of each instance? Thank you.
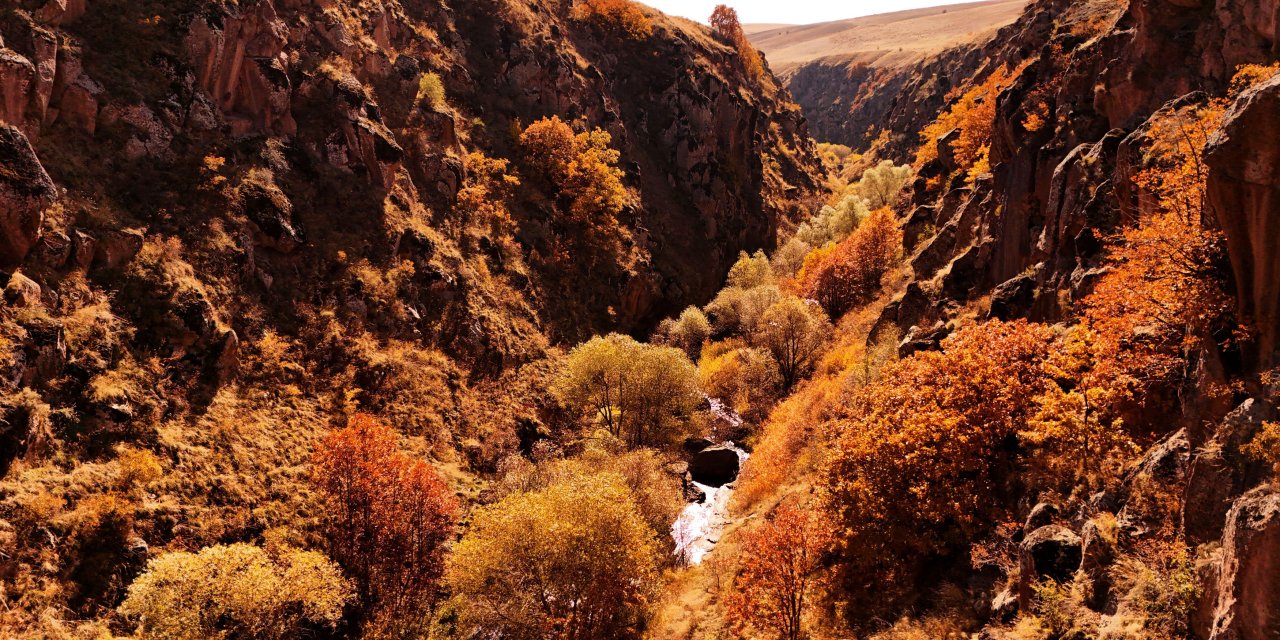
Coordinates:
(1101, 97)
(227, 225)
(856, 78)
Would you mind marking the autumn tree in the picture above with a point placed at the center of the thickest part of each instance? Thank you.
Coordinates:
(689, 331)
(388, 517)
(1076, 426)
(849, 275)
(834, 222)
(581, 168)
(486, 192)
(737, 310)
(724, 22)
(573, 561)
(921, 457)
(794, 332)
(747, 378)
(972, 116)
(881, 184)
(781, 568)
(642, 394)
(1163, 299)
(750, 271)
(236, 591)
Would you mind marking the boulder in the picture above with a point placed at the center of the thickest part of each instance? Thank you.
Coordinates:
(1013, 298)
(25, 192)
(693, 445)
(1042, 515)
(17, 74)
(1220, 472)
(271, 215)
(1248, 580)
(715, 466)
(54, 250)
(21, 291)
(1048, 552)
(1096, 555)
(116, 247)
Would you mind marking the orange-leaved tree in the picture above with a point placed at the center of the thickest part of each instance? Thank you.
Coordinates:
(849, 274)
(972, 117)
(388, 517)
(781, 570)
(485, 193)
(724, 22)
(923, 454)
(582, 169)
(1163, 297)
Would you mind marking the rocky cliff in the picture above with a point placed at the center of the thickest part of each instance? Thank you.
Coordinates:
(1030, 238)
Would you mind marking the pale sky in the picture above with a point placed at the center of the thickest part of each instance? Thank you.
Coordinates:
(792, 11)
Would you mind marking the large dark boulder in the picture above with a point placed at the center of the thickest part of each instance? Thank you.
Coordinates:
(714, 467)
(25, 192)
(1052, 552)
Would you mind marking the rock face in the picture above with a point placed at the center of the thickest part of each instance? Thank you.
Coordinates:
(714, 467)
(1244, 192)
(25, 192)
(1248, 584)
(242, 67)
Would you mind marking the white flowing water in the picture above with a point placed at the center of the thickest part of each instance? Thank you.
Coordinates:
(699, 526)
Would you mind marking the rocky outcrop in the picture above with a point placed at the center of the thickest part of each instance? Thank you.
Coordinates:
(1244, 194)
(25, 192)
(240, 63)
(1247, 589)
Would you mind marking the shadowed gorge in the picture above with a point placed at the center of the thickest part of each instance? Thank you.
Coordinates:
(567, 319)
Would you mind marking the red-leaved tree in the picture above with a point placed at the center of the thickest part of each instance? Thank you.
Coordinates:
(780, 570)
(389, 516)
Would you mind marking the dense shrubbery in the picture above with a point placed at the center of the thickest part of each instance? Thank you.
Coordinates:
(972, 116)
(623, 16)
(849, 275)
(236, 591)
(921, 456)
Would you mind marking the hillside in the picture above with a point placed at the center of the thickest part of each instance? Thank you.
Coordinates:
(228, 226)
(885, 40)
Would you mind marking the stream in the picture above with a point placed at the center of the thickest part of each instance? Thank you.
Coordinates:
(699, 526)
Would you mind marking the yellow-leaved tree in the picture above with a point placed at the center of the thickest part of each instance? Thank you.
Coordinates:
(573, 561)
(236, 591)
(642, 394)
